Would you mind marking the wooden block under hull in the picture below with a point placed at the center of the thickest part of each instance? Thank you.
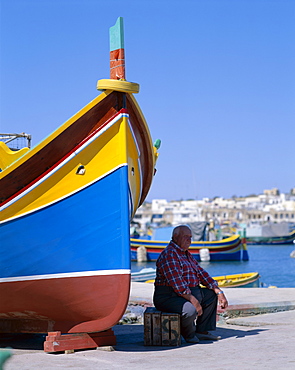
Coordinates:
(57, 342)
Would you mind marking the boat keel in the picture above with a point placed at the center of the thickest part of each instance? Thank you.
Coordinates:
(57, 342)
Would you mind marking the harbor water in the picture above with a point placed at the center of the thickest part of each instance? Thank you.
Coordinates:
(273, 263)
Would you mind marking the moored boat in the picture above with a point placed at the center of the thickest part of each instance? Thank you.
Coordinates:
(66, 205)
(144, 275)
(272, 240)
(229, 249)
(244, 280)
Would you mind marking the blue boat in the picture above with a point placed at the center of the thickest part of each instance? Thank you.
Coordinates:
(66, 206)
(232, 248)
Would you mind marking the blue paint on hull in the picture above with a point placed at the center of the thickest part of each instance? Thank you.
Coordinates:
(86, 231)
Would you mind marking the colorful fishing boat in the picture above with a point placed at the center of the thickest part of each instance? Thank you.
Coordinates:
(245, 280)
(232, 248)
(272, 240)
(66, 206)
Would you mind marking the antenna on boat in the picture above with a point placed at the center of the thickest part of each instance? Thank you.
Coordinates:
(117, 54)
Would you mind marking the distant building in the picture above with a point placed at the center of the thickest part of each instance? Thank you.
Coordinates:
(273, 191)
(270, 206)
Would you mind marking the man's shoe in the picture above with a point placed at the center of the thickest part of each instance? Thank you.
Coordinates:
(208, 336)
(192, 340)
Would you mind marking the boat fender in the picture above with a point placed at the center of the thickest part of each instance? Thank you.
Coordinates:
(141, 254)
(204, 254)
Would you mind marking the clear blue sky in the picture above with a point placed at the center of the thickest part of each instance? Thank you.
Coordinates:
(217, 83)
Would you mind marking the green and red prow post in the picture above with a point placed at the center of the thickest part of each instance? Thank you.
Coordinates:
(117, 54)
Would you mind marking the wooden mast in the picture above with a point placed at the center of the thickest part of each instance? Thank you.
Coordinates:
(117, 54)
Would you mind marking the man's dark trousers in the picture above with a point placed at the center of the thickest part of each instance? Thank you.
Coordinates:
(166, 300)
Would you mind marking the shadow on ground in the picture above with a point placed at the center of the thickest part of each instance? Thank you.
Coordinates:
(130, 338)
(22, 341)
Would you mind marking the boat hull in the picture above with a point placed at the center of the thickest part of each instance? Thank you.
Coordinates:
(245, 280)
(65, 214)
(67, 304)
(71, 235)
(229, 249)
(275, 240)
(73, 244)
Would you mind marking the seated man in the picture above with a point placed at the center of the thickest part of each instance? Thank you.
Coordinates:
(177, 288)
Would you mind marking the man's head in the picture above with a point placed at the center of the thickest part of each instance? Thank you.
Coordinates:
(182, 236)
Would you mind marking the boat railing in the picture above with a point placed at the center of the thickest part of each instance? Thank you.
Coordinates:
(16, 141)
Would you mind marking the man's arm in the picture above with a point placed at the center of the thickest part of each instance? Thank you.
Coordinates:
(222, 301)
(210, 283)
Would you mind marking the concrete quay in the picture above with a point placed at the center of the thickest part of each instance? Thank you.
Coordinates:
(257, 331)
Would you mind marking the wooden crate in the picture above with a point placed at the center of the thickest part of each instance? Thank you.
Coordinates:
(161, 328)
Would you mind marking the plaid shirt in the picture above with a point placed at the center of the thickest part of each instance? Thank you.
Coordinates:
(178, 268)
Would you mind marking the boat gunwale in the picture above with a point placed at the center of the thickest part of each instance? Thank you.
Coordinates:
(42, 157)
(64, 159)
(35, 156)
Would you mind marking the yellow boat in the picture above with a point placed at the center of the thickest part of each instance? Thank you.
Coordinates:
(245, 280)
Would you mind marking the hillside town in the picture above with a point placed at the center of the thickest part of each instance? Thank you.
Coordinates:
(270, 207)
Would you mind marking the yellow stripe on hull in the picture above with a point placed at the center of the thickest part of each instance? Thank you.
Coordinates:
(117, 146)
(134, 171)
(150, 147)
(55, 134)
(106, 153)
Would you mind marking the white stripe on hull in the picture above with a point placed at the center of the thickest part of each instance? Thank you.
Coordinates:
(66, 275)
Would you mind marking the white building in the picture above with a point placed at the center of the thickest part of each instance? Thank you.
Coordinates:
(269, 206)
